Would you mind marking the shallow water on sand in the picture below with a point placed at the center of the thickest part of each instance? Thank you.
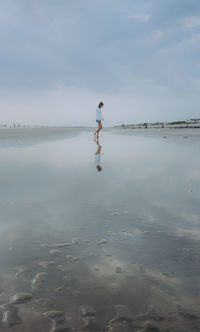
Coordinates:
(128, 235)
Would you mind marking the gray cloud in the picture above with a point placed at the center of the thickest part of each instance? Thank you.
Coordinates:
(145, 50)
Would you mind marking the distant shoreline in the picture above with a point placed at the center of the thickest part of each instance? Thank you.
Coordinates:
(157, 127)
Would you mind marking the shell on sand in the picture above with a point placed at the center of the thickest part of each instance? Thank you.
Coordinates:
(72, 258)
(39, 279)
(62, 268)
(10, 316)
(21, 272)
(21, 298)
(55, 252)
(46, 264)
(103, 241)
(67, 278)
(75, 240)
(75, 259)
(69, 257)
(53, 314)
(60, 245)
(87, 310)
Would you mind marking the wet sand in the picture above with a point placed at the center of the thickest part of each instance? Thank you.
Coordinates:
(116, 250)
(36, 134)
(185, 136)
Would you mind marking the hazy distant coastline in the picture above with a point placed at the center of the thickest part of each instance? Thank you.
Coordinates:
(192, 123)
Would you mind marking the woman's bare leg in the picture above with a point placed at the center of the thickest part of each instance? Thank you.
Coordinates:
(99, 128)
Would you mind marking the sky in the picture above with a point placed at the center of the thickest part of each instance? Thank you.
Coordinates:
(60, 58)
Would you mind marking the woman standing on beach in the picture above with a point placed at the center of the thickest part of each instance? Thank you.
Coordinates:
(99, 118)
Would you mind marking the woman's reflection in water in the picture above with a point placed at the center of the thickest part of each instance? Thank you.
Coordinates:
(98, 155)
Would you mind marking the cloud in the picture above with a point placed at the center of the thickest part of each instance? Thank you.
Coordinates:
(191, 22)
(92, 48)
(142, 18)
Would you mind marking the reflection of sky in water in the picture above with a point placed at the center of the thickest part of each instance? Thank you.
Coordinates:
(51, 192)
(141, 175)
(152, 179)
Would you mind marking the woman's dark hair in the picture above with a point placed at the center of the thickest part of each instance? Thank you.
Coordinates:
(101, 104)
(99, 168)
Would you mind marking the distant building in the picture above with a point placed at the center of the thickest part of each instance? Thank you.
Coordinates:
(194, 120)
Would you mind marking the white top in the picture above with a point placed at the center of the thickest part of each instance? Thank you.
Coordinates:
(97, 159)
(99, 114)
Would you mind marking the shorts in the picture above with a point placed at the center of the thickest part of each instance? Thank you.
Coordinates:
(98, 120)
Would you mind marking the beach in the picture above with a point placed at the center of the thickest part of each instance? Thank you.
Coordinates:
(35, 134)
(115, 250)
